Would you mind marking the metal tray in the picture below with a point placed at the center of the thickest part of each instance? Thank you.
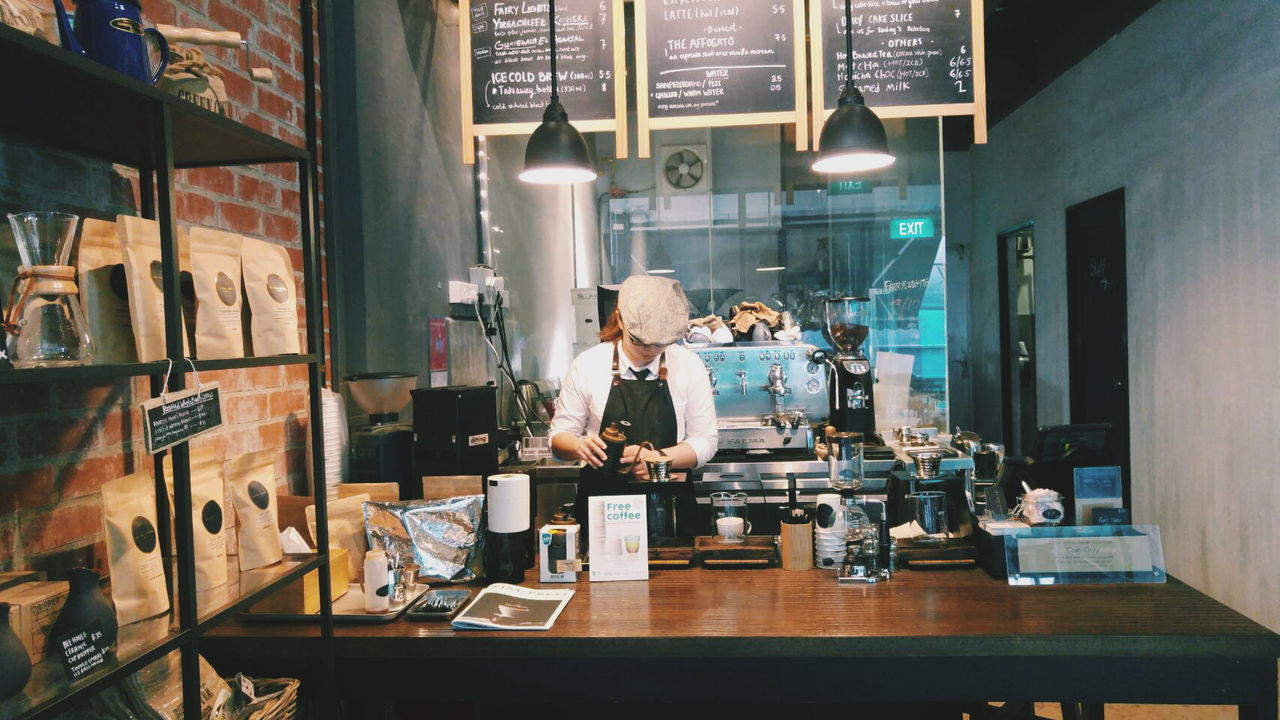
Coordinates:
(419, 610)
(348, 608)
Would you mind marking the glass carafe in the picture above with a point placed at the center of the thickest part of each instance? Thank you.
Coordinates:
(729, 504)
(44, 324)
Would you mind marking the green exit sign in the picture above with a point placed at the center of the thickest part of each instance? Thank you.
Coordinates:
(851, 187)
(909, 228)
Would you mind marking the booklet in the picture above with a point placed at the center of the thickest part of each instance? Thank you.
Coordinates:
(502, 606)
(619, 538)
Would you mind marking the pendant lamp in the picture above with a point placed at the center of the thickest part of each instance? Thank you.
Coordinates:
(853, 138)
(556, 154)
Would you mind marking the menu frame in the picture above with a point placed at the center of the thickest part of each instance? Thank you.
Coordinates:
(617, 125)
(645, 124)
(977, 108)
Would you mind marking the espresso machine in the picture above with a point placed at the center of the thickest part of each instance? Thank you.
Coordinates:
(382, 450)
(851, 396)
(771, 398)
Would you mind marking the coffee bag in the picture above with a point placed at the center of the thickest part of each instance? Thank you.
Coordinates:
(140, 243)
(215, 262)
(208, 516)
(133, 548)
(252, 478)
(346, 529)
(104, 293)
(273, 300)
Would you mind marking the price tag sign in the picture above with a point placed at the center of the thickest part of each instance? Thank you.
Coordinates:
(83, 650)
(179, 416)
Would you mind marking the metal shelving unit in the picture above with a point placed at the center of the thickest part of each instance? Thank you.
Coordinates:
(67, 102)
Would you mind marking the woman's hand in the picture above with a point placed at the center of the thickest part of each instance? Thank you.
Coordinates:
(590, 450)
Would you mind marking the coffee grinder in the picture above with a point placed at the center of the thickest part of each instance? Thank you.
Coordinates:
(382, 451)
(850, 389)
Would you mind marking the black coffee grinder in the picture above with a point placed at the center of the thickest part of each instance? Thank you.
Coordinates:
(382, 450)
(850, 389)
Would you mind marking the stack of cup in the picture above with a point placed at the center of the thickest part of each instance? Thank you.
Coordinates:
(828, 531)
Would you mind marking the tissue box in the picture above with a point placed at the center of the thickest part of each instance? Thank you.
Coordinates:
(558, 553)
(34, 607)
(302, 596)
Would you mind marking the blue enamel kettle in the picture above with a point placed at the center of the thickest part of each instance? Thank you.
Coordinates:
(111, 32)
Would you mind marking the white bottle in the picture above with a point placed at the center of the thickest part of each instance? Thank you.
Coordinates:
(377, 582)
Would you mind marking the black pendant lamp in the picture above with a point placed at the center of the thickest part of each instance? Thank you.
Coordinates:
(556, 154)
(853, 138)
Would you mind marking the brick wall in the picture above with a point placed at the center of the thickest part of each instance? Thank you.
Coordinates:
(60, 442)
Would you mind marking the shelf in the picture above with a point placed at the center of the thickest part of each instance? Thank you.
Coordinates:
(108, 372)
(141, 643)
(63, 100)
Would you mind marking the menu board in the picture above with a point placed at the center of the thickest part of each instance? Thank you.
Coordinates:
(911, 58)
(715, 63)
(506, 67)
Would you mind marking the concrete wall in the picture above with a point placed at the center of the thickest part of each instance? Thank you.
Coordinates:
(416, 220)
(1179, 109)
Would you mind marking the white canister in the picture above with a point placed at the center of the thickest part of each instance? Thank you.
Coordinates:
(377, 582)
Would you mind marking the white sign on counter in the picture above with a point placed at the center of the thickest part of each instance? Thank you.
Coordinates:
(619, 539)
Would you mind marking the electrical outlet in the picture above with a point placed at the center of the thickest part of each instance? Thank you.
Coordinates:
(463, 292)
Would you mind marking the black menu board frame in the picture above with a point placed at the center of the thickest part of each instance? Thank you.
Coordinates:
(617, 124)
(822, 34)
(797, 114)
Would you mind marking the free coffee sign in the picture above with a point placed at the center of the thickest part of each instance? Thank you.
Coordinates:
(180, 416)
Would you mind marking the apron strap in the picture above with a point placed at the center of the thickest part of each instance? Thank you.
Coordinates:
(662, 369)
(617, 375)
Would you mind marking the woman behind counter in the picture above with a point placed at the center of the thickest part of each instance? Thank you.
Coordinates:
(636, 374)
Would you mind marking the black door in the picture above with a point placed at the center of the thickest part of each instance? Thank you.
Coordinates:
(1097, 321)
(1018, 338)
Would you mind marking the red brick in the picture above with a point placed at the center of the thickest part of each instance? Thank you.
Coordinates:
(161, 12)
(275, 45)
(271, 435)
(217, 180)
(23, 399)
(66, 524)
(295, 432)
(264, 377)
(27, 489)
(256, 9)
(284, 171)
(119, 427)
(8, 545)
(275, 104)
(252, 190)
(258, 122)
(56, 437)
(290, 201)
(241, 218)
(217, 442)
(87, 476)
(195, 208)
(239, 88)
(73, 396)
(226, 16)
(284, 402)
(281, 227)
(245, 408)
(288, 82)
(241, 441)
(295, 257)
(295, 374)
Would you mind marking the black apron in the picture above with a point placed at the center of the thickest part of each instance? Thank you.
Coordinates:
(647, 405)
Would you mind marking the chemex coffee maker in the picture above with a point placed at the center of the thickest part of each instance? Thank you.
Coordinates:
(850, 390)
(382, 450)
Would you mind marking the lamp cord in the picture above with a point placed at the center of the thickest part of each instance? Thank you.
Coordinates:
(555, 93)
(848, 46)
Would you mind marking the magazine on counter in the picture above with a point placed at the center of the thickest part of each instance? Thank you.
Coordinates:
(503, 606)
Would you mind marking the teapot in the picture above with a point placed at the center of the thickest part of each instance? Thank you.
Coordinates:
(110, 32)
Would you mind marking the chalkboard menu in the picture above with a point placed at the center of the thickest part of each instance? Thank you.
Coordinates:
(911, 58)
(712, 63)
(506, 66)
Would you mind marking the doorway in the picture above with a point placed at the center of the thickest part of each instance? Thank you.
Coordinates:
(1097, 320)
(1017, 261)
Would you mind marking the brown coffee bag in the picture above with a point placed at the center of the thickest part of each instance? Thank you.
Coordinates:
(133, 548)
(252, 478)
(208, 516)
(215, 263)
(273, 299)
(104, 293)
(140, 243)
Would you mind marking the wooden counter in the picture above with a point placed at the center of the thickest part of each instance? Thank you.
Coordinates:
(924, 636)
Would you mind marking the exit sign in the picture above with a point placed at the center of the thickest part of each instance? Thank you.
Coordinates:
(909, 228)
(851, 187)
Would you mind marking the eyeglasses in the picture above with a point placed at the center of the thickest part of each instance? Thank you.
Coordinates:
(637, 343)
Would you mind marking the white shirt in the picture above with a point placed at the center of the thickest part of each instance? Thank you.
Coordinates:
(585, 390)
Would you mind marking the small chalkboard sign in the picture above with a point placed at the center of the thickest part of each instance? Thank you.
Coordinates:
(179, 416)
(716, 63)
(922, 58)
(506, 67)
(81, 650)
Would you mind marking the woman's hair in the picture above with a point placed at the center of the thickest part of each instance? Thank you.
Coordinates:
(612, 330)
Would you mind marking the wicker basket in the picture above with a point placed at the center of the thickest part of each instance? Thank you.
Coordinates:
(281, 705)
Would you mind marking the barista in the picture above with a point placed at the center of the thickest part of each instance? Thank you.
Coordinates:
(638, 375)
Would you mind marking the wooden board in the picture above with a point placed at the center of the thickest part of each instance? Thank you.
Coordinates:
(719, 63)
(923, 61)
(505, 63)
(757, 551)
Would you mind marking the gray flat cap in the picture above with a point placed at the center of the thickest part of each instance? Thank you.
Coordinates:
(654, 309)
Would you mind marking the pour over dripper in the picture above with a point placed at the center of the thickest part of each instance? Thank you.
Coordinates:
(44, 324)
